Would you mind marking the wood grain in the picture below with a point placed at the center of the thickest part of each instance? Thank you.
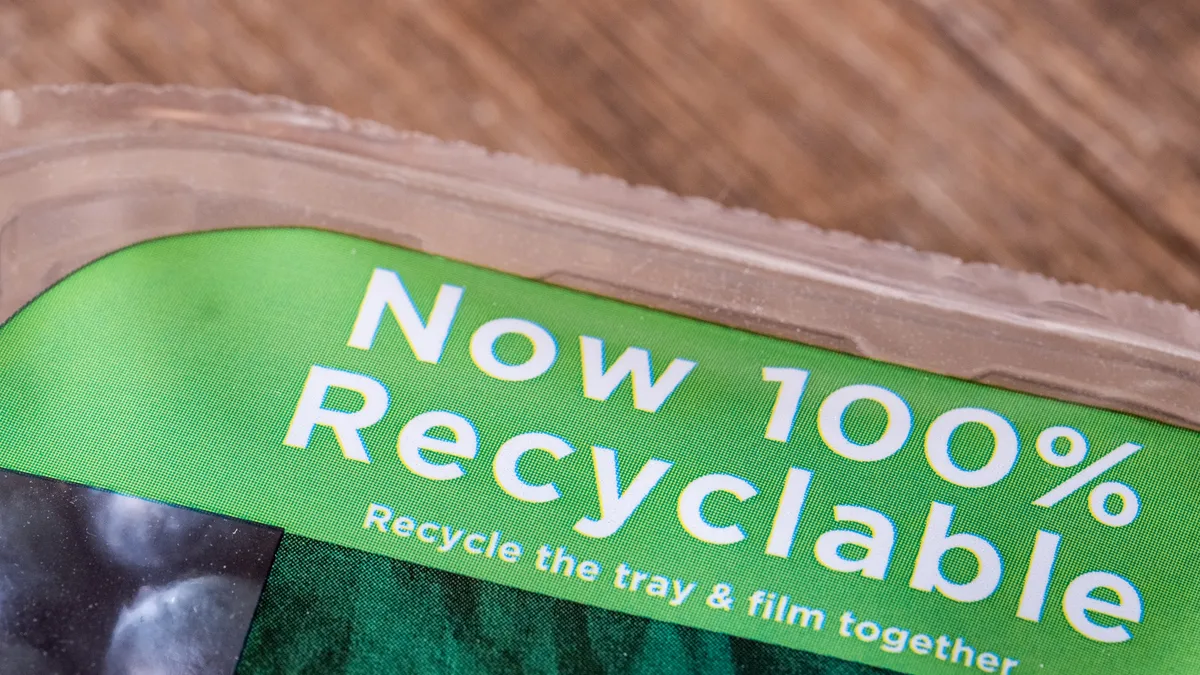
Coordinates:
(1058, 136)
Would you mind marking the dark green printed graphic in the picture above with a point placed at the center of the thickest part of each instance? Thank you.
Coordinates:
(332, 609)
(542, 439)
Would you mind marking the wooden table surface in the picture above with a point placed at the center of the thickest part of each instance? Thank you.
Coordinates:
(1055, 136)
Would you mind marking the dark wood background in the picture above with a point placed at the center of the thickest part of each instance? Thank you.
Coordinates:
(1055, 136)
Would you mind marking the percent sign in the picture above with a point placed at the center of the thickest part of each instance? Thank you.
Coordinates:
(1099, 496)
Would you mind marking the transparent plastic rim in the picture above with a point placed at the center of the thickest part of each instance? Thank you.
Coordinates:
(87, 170)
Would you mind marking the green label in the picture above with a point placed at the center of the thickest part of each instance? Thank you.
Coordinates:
(492, 426)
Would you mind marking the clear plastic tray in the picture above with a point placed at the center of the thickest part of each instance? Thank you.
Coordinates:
(85, 171)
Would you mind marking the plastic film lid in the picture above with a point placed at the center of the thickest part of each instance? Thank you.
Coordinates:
(85, 171)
